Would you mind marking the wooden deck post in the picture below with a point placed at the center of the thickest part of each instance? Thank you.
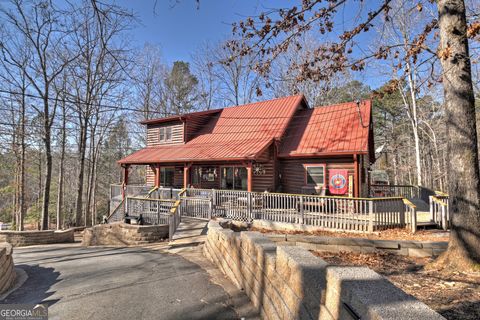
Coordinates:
(430, 199)
(249, 176)
(444, 217)
(186, 175)
(414, 219)
(125, 180)
(210, 208)
(157, 176)
(356, 184)
(371, 216)
(249, 206)
(125, 174)
(301, 210)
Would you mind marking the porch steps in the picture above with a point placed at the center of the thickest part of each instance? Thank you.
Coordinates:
(420, 204)
(190, 230)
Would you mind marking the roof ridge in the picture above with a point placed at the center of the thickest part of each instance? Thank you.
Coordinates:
(343, 104)
(185, 115)
(264, 101)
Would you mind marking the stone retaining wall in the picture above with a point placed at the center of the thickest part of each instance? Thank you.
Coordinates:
(7, 270)
(401, 247)
(121, 234)
(28, 238)
(288, 282)
(287, 226)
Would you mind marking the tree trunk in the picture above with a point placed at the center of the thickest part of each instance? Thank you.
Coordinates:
(22, 206)
(81, 169)
(48, 180)
(88, 211)
(61, 171)
(93, 206)
(462, 165)
(414, 119)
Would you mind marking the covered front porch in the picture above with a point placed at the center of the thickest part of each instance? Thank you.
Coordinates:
(233, 175)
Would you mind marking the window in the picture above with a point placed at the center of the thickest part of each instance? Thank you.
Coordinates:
(315, 174)
(162, 134)
(203, 174)
(166, 176)
(168, 133)
(234, 178)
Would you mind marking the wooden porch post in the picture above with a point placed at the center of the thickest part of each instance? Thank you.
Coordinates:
(186, 175)
(125, 179)
(157, 175)
(356, 186)
(249, 176)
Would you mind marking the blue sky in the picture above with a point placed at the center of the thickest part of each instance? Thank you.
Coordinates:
(180, 27)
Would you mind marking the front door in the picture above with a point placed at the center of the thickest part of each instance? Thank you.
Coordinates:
(167, 176)
(234, 178)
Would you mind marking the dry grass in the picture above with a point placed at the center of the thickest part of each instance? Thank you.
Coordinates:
(455, 295)
(390, 234)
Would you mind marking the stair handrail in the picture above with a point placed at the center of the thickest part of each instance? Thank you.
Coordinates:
(412, 210)
(175, 215)
(120, 205)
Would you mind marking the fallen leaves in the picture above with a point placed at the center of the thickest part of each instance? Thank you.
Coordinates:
(455, 295)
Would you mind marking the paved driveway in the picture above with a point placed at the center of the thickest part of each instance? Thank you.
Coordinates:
(117, 283)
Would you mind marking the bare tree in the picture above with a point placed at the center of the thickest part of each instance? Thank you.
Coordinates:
(39, 27)
(208, 84)
(464, 176)
(231, 83)
(14, 77)
(63, 142)
(273, 32)
(148, 77)
(99, 66)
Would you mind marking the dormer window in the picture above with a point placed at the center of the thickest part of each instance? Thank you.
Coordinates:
(162, 134)
(165, 134)
(168, 133)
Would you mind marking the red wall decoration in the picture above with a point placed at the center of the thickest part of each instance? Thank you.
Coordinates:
(338, 181)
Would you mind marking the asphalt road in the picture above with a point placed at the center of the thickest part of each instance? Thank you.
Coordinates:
(117, 283)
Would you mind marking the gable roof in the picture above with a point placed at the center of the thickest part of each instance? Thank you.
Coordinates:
(181, 117)
(233, 133)
(336, 129)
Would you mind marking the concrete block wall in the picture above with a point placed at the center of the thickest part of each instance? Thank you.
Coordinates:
(28, 238)
(288, 282)
(119, 234)
(332, 244)
(400, 247)
(7, 270)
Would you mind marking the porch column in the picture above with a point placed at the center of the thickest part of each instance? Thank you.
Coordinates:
(356, 185)
(249, 176)
(186, 175)
(157, 175)
(125, 179)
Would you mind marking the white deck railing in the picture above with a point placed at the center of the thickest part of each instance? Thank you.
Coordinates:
(439, 210)
(340, 213)
(152, 211)
(329, 212)
(404, 191)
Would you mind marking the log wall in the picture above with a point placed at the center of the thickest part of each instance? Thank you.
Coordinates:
(153, 133)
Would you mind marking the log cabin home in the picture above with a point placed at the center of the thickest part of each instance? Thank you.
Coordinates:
(279, 145)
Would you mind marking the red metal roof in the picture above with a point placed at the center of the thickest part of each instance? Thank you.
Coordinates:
(329, 130)
(180, 117)
(235, 133)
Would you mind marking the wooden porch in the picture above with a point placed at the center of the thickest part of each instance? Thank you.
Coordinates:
(155, 206)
